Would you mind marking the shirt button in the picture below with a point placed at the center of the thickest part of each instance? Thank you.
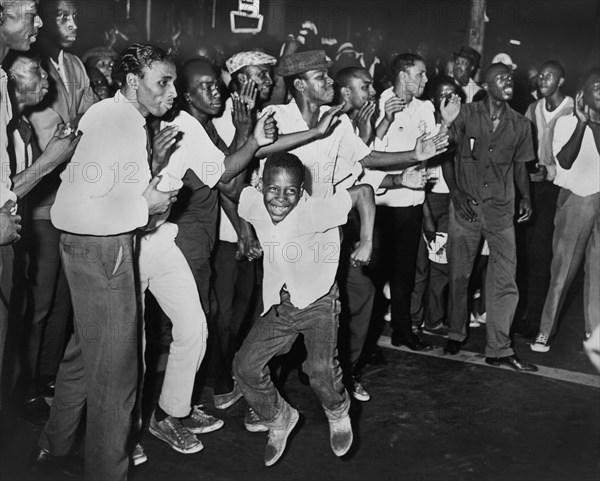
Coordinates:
(490, 149)
(485, 185)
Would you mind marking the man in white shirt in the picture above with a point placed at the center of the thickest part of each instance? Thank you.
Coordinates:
(403, 119)
(355, 86)
(105, 195)
(19, 23)
(577, 223)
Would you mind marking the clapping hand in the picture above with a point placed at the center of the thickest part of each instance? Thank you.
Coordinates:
(450, 108)
(427, 148)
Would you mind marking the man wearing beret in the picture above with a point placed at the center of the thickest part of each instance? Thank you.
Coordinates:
(466, 63)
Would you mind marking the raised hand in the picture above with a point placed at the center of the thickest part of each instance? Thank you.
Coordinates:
(265, 131)
(450, 108)
(242, 115)
(162, 146)
(392, 106)
(248, 93)
(427, 148)
(582, 111)
(62, 145)
(363, 120)
(328, 121)
(9, 224)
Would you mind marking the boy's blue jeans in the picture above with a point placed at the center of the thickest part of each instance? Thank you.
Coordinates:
(273, 334)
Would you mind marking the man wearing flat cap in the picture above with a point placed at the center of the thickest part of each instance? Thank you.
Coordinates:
(334, 156)
(466, 63)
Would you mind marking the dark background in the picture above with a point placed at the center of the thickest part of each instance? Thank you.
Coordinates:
(565, 30)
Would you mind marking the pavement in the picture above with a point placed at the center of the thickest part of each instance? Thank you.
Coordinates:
(431, 417)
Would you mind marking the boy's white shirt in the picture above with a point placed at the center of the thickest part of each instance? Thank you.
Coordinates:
(302, 251)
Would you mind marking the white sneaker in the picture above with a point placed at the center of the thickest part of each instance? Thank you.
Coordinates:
(358, 391)
(540, 344)
(138, 456)
(175, 434)
(340, 435)
(253, 423)
(199, 422)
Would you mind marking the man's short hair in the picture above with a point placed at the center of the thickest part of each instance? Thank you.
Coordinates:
(593, 72)
(137, 57)
(284, 161)
(555, 64)
(343, 77)
(403, 62)
(183, 76)
(14, 55)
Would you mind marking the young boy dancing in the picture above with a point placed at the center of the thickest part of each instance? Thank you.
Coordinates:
(301, 243)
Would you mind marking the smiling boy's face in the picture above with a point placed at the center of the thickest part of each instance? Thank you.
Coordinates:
(281, 193)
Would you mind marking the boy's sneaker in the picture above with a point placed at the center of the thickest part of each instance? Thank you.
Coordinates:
(278, 439)
(138, 456)
(175, 434)
(358, 391)
(473, 322)
(540, 344)
(253, 422)
(340, 435)
(199, 422)
(223, 401)
(440, 330)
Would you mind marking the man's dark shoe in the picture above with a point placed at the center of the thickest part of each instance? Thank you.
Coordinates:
(452, 347)
(54, 466)
(511, 361)
(412, 341)
(36, 411)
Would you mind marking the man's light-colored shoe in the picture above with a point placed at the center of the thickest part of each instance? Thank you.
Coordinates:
(278, 439)
(175, 434)
(540, 344)
(223, 401)
(199, 422)
(473, 322)
(358, 391)
(138, 456)
(253, 422)
(340, 435)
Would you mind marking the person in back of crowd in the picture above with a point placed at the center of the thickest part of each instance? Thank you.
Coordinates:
(465, 66)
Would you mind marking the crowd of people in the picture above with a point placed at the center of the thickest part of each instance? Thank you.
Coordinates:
(155, 202)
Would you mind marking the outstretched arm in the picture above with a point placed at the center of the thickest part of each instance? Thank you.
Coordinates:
(286, 142)
(424, 149)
